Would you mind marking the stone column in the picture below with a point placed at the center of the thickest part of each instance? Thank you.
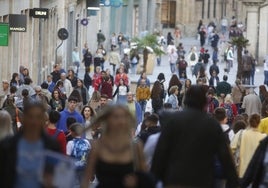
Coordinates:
(151, 15)
(252, 15)
(263, 34)
(205, 10)
(143, 7)
(129, 23)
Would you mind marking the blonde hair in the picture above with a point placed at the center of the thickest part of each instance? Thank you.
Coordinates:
(6, 124)
(101, 119)
(228, 98)
(96, 96)
(173, 89)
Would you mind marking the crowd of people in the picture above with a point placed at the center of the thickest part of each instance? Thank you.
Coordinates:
(115, 141)
(214, 48)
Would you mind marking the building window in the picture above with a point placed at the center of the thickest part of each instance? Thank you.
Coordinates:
(202, 8)
(168, 15)
(208, 8)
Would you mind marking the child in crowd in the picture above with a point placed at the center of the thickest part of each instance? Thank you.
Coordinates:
(78, 149)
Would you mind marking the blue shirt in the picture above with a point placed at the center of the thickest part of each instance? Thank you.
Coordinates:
(51, 86)
(29, 164)
(64, 115)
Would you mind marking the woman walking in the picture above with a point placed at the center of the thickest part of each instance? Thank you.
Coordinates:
(113, 156)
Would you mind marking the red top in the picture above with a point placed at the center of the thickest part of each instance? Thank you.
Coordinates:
(60, 138)
(121, 76)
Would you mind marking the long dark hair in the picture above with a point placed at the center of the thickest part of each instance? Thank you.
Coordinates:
(185, 83)
(156, 90)
(78, 79)
(262, 91)
(202, 72)
(174, 81)
(161, 77)
(14, 75)
(92, 111)
(76, 95)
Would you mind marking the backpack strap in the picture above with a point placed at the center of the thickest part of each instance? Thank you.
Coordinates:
(56, 134)
(227, 131)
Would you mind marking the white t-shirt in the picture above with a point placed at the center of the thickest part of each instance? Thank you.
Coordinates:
(231, 134)
(149, 148)
(122, 90)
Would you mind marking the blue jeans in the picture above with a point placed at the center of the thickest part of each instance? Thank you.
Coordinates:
(229, 64)
(121, 99)
(192, 69)
(158, 59)
(77, 64)
(223, 29)
(102, 66)
(143, 104)
(252, 76)
(172, 67)
(133, 68)
(120, 48)
(266, 78)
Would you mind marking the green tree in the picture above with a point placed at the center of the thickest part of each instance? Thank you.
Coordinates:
(240, 43)
(147, 44)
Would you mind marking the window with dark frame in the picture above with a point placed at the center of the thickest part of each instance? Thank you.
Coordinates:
(168, 15)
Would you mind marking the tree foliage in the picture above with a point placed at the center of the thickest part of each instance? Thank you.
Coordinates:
(147, 44)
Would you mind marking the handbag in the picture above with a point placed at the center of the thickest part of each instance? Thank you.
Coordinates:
(145, 179)
(237, 151)
(18, 123)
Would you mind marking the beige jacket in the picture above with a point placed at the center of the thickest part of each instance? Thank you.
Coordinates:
(237, 94)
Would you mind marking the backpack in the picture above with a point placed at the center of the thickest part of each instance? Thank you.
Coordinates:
(80, 152)
(192, 57)
(182, 64)
(229, 112)
(226, 135)
(247, 63)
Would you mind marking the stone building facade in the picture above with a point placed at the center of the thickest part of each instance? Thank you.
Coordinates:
(186, 14)
(36, 48)
(256, 14)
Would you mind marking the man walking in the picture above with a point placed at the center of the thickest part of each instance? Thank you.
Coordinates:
(229, 59)
(70, 111)
(247, 62)
(76, 59)
(187, 147)
(252, 103)
(173, 58)
(100, 38)
(114, 59)
(143, 94)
